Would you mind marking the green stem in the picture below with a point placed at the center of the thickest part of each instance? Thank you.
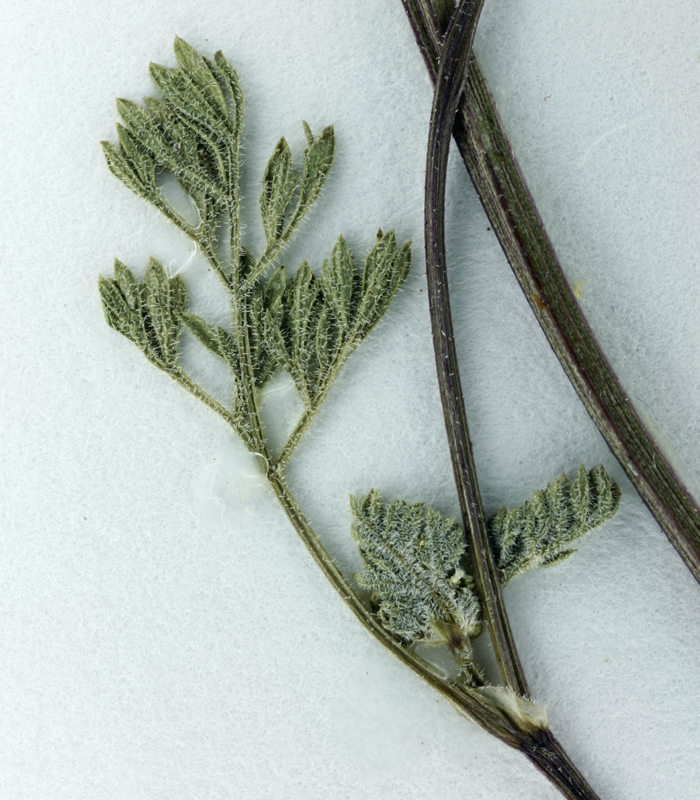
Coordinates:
(234, 215)
(295, 436)
(214, 260)
(513, 730)
(247, 390)
(467, 700)
(450, 80)
(240, 314)
(311, 410)
(488, 157)
(204, 243)
(516, 732)
(179, 376)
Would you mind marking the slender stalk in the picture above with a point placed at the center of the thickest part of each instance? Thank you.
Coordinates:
(249, 394)
(209, 251)
(295, 436)
(234, 212)
(310, 410)
(450, 81)
(181, 377)
(486, 152)
(541, 747)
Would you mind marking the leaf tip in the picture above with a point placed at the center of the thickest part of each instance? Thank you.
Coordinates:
(307, 132)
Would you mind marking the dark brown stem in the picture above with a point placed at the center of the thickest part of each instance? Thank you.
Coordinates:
(484, 147)
(550, 758)
(537, 743)
(449, 85)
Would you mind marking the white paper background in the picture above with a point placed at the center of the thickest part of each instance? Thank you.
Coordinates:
(157, 643)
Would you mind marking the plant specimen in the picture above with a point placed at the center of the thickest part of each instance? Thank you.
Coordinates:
(423, 580)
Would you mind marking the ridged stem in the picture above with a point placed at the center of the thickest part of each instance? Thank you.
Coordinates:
(486, 152)
(451, 75)
(539, 745)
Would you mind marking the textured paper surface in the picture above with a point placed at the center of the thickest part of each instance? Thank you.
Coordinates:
(163, 633)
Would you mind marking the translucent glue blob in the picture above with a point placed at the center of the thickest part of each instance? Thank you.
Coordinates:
(231, 484)
(233, 481)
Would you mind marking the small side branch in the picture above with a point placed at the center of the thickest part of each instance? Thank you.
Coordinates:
(179, 376)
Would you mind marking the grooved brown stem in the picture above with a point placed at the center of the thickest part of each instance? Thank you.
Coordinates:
(550, 758)
(486, 152)
(449, 85)
(538, 744)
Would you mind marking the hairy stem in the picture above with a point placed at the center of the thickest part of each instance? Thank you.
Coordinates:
(467, 700)
(311, 410)
(273, 249)
(486, 152)
(295, 436)
(537, 743)
(234, 214)
(209, 251)
(449, 85)
(178, 375)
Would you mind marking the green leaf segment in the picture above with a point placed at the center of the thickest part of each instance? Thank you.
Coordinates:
(537, 533)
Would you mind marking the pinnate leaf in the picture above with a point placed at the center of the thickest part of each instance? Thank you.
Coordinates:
(192, 133)
(538, 532)
(386, 268)
(412, 557)
(323, 320)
